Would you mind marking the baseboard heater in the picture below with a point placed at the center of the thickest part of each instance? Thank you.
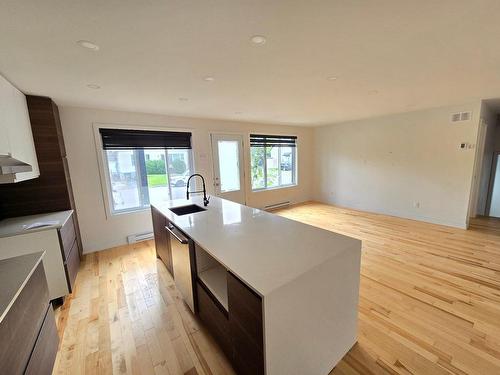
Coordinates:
(133, 238)
(275, 206)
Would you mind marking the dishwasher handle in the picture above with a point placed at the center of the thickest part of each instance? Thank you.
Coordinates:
(180, 238)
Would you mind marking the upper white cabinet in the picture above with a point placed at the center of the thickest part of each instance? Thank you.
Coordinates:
(16, 138)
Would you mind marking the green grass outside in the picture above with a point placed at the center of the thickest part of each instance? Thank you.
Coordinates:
(155, 180)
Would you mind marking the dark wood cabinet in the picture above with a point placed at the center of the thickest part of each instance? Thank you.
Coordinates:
(29, 338)
(68, 242)
(245, 327)
(20, 327)
(67, 237)
(71, 266)
(52, 190)
(214, 318)
(44, 353)
(162, 240)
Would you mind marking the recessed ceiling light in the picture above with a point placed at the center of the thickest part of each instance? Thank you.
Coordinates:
(258, 39)
(332, 78)
(93, 86)
(373, 92)
(87, 44)
(183, 99)
(209, 79)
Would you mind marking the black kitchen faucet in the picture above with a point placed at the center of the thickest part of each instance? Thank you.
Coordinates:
(204, 191)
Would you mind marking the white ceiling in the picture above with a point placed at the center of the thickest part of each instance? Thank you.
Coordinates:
(415, 54)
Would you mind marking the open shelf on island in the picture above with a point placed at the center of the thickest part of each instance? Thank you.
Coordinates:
(213, 275)
(215, 279)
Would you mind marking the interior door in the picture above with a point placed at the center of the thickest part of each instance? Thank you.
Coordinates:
(227, 152)
(494, 204)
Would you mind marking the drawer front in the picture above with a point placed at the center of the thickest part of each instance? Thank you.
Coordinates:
(245, 307)
(19, 328)
(72, 266)
(162, 240)
(44, 354)
(248, 358)
(214, 319)
(67, 236)
(245, 327)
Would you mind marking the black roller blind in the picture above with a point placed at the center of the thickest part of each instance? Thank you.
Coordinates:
(260, 140)
(120, 139)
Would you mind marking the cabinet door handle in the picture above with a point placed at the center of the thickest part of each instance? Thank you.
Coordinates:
(182, 240)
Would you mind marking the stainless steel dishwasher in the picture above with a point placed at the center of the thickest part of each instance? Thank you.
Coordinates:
(181, 264)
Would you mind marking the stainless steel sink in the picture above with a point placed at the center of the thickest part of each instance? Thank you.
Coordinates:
(185, 210)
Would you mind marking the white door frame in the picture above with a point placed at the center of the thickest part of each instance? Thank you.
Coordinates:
(239, 196)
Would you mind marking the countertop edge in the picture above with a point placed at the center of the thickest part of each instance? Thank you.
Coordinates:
(40, 229)
(21, 287)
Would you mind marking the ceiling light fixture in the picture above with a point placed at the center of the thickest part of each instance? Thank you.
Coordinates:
(209, 79)
(238, 113)
(87, 44)
(332, 78)
(93, 86)
(258, 39)
(183, 99)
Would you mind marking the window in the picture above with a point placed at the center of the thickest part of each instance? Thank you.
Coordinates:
(138, 175)
(273, 161)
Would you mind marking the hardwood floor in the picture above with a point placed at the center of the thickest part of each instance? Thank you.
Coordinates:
(126, 317)
(429, 304)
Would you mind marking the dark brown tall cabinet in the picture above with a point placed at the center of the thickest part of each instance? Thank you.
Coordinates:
(51, 191)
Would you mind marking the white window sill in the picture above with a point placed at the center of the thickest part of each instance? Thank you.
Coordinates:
(131, 211)
(274, 188)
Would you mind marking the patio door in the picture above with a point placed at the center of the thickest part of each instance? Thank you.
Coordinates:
(227, 152)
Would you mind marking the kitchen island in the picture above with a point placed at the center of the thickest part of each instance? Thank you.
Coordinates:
(279, 296)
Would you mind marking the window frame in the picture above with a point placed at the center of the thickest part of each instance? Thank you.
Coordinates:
(295, 177)
(103, 167)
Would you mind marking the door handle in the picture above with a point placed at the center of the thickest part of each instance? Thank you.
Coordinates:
(181, 239)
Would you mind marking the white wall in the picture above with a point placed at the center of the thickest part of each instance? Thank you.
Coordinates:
(389, 163)
(100, 232)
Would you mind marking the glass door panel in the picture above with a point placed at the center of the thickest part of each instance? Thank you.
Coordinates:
(228, 166)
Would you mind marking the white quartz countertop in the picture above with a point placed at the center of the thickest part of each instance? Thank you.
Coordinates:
(21, 225)
(264, 250)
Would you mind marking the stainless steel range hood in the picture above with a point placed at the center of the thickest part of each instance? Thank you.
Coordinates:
(11, 166)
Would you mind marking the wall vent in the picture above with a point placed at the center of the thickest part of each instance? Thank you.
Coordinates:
(276, 206)
(133, 238)
(461, 116)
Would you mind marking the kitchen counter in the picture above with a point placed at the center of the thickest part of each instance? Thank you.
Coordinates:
(21, 225)
(264, 250)
(14, 273)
